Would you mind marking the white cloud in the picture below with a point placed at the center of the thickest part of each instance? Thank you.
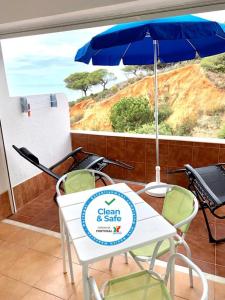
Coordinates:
(218, 16)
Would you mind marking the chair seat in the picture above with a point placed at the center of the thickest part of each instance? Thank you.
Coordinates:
(141, 285)
(148, 250)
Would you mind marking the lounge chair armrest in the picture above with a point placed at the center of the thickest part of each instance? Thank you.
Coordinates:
(94, 288)
(177, 171)
(221, 164)
(119, 163)
(191, 217)
(192, 266)
(71, 154)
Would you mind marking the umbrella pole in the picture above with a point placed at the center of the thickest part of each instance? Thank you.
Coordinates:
(155, 188)
(155, 44)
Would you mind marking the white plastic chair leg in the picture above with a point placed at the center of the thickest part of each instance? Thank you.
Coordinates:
(126, 258)
(62, 232)
(188, 251)
(111, 263)
(69, 256)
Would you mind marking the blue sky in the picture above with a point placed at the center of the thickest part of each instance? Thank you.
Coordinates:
(38, 64)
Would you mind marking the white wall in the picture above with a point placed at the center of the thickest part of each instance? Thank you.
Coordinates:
(46, 133)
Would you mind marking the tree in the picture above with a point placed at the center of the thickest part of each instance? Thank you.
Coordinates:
(130, 113)
(148, 69)
(131, 70)
(78, 81)
(102, 77)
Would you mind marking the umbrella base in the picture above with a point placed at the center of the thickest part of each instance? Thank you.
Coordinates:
(159, 192)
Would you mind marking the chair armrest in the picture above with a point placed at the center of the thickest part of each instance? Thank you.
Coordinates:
(71, 154)
(191, 217)
(94, 288)
(192, 266)
(101, 174)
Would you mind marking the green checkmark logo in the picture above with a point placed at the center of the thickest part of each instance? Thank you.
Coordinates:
(110, 202)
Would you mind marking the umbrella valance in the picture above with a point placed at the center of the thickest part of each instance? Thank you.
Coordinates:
(172, 28)
(201, 43)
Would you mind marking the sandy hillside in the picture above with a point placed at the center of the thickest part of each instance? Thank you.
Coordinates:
(187, 90)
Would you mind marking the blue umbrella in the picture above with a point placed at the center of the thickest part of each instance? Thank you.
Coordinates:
(143, 43)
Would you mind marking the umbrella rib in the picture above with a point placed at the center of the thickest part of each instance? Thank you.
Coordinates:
(223, 38)
(128, 46)
(97, 52)
(192, 45)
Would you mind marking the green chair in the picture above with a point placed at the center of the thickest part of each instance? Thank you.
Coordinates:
(81, 180)
(73, 182)
(179, 208)
(144, 285)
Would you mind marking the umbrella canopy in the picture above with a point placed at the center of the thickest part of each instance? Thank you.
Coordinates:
(178, 38)
(143, 43)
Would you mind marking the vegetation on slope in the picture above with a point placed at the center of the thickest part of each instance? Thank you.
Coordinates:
(193, 103)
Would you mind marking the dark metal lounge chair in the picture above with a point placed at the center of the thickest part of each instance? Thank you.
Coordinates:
(208, 184)
(79, 158)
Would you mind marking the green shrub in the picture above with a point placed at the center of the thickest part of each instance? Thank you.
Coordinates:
(221, 133)
(71, 103)
(130, 113)
(215, 64)
(185, 129)
(164, 112)
(164, 129)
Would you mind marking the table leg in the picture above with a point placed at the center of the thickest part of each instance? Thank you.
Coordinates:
(86, 287)
(69, 256)
(172, 274)
(62, 232)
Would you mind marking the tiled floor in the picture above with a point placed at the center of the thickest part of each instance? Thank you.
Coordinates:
(43, 212)
(31, 269)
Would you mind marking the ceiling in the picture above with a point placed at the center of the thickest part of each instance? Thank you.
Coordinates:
(25, 17)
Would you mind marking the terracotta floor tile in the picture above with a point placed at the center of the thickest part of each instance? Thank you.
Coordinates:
(30, 267)
(78, 293)
(220, 270)
(205, 267)
(100, 278)
(6, 230)
(25, 237)
(198, 228)
(9, 254)
(11, 289)
(119, 267)
(35, 294)
(201, 249)
(57, 283)
(49, 245)
(183, 289)
(219, 291)
(220, 230)
(220, 257)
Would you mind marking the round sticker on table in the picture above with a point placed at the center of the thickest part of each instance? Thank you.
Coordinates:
(108, 217)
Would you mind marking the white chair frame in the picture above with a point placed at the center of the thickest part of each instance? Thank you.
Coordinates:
(63, 230)
(93, 172)
(99, 295)
(179, 239)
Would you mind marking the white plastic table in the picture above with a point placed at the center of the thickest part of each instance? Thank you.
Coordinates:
(150, 227)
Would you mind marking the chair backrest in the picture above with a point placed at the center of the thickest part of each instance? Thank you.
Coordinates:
(180, 207)
(80, 180)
